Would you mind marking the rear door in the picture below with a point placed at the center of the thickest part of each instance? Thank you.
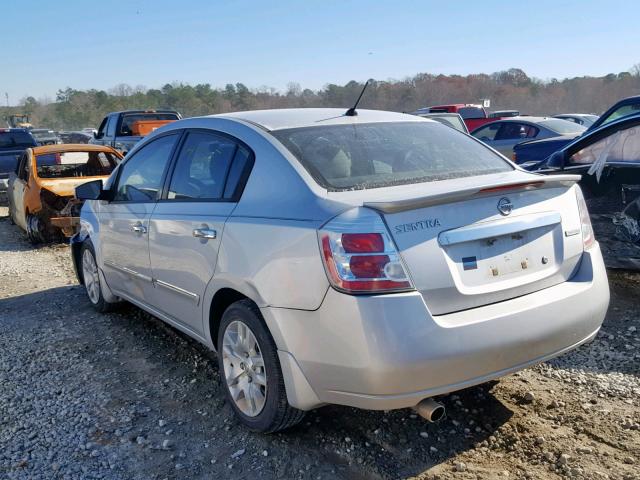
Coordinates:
(187, 224)
(124, 221)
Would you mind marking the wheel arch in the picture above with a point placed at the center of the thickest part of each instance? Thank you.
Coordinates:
(222, 299)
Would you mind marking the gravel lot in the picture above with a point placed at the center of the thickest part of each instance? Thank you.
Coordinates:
(124, 396)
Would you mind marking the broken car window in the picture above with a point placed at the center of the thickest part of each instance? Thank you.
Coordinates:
(75, 164)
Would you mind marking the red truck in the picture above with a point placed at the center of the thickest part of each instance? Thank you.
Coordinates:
(473, 115)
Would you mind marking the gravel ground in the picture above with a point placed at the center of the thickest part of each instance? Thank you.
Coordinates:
(124, 396)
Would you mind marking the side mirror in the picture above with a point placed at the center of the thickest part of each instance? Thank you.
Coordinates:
(557, 160)
(91, 191)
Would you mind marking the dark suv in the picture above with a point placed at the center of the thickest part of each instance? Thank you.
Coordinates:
(13, 141)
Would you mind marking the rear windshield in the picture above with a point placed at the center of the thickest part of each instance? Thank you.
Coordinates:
(471, 112)
(75, 164)
(16, 139)
(373, 155)
(8, 162)
(127, 127)
(562, 126)
(453, 121)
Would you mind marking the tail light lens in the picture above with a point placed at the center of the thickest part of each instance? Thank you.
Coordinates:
(588, 239)
(359, 255)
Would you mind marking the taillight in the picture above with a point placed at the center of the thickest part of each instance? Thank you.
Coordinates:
(588, 239)
(359, 255)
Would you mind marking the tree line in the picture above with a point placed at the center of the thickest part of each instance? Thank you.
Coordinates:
(510, 89)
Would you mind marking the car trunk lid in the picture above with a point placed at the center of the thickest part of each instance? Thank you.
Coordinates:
(466, 247)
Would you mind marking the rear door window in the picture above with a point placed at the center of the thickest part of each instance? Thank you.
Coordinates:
(514, 131)
(360, 156)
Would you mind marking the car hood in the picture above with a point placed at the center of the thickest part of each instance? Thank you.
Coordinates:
(66, 187)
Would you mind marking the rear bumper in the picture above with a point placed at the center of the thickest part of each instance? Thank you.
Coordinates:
(388, 351)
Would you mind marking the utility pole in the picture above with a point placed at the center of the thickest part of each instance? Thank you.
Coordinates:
(6, 95)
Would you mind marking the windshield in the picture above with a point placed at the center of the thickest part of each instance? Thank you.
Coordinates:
(373, 155)
(623, 111)
(75, 164)
(562, 127)
(16, 139)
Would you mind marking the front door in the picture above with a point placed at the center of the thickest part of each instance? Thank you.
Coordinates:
(187, 223)
(17, 189)
(124, 220)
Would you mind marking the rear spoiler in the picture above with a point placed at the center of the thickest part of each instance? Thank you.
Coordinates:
(551, 181)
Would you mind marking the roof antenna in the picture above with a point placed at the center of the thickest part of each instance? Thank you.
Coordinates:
(352, 111)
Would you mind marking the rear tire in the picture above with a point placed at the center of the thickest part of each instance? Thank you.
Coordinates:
(250, 371)
(91, 278)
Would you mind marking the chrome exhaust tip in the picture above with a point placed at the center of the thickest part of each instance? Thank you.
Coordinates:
(430, 410)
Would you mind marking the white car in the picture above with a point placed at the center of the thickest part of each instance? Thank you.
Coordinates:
(370, 259)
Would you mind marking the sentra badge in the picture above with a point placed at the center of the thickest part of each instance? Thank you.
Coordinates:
(415, 226)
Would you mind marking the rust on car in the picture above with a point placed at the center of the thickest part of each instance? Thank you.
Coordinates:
(42, 191)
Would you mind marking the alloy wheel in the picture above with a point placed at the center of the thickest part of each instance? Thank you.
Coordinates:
(244, 368)
(90, 276)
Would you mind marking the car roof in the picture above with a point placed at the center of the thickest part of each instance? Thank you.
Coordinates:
(438, 114)
(70, 147)
(575, 115)
(141, 111)
(523, 118)
(309, 117)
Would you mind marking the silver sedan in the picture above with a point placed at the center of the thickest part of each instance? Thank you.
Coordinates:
(503, 135)
(369, 259)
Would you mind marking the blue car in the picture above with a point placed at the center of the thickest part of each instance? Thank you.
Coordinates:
(537, 150)
(608, 160)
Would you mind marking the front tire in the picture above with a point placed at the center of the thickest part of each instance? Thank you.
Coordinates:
(33, 230)
(250, 370)
(91, 278)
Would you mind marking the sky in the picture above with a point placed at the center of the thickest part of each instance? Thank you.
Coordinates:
(84, 44)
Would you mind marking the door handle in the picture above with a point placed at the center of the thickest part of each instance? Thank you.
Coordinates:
(206, 233)
(139, 228)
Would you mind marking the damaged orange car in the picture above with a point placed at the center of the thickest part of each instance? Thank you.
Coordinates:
(41, 190)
